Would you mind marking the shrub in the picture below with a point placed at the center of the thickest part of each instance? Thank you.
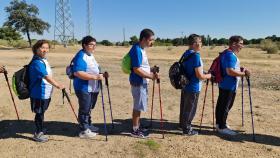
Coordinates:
(269, 46)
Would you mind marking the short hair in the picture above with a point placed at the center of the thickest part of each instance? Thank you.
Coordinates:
(146, 33)
(235, 39)
(192, 39)
(86, 40)
(39, 44)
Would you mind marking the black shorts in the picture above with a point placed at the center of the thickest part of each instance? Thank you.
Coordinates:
(39, 105)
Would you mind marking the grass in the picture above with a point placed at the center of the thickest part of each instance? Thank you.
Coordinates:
(143, 147)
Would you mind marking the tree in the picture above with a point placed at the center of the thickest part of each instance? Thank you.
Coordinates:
(106, 43)
(8, 33)
(133, 40)
(23, 18)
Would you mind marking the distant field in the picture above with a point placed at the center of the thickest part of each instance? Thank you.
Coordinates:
(15, 136)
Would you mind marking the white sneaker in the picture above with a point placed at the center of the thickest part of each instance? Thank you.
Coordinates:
(87, 134)
(94, 128)
(227, 131)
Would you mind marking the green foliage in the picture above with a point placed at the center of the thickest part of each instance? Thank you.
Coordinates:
(23, 18)
(19, 44)
(106, 43)
(125, 43)
(133, 40)
(8, 33)
(269, 46)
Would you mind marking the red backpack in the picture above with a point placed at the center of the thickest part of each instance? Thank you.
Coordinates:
(216, 68)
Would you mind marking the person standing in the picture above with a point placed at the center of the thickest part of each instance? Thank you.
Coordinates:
(41, 86)
(193, 68)
(86, 85)
(230, 65)
(139, 78)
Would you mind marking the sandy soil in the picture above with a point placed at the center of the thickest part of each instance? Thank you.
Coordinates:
(15, 136)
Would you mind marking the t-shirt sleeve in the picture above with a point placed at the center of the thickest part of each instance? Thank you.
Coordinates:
(136, 57)
(196, 60)
(40, 69)
(79, 64)
(230, 61)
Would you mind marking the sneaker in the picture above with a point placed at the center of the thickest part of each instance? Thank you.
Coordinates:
(40, 137)
(87, 134)
(190, 132)
(138, 134)
(94, 128)
(217, 126)
(227, 131)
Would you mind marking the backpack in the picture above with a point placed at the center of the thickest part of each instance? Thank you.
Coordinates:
(20, 81)
(69, 70)
(126, 64)
(177, 76)
(216, 69)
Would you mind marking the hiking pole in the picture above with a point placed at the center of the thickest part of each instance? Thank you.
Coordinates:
(213, 106)
(103, 107)
(207, 82)
(242, 97)
(160, 104)
(153, 93)
(69, 101)
(7, 80)
(251, 107)
(106, 75)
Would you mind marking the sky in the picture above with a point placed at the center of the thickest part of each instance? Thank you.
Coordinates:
(167, 18)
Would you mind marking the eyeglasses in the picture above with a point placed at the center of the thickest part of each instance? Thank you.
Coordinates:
(92, 45)
(44, 48)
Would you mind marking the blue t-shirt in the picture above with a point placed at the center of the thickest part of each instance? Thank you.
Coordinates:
(189, 66)
(86, 62)
(138, 59)
(229, 60)
(38, 86)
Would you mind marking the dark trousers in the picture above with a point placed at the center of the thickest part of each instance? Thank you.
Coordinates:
(39, 106)
(188, 108)
(224, 104)
(87, 101)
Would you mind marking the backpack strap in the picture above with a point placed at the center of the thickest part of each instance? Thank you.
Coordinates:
(183, 59)
(33, 85)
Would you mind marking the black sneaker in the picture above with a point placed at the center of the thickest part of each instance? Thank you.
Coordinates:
(190, 132)
(138, 134)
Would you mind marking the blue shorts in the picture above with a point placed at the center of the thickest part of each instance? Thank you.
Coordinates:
(140, 97)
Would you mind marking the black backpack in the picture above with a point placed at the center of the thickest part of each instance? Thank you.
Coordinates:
(69, 70)
(177, 76)
(21, 81)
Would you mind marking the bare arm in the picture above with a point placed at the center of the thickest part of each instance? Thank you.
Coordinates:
(53, 82)
(143, 74)
(199, 74)
(85, 76)
(234, 73)
(2, 69)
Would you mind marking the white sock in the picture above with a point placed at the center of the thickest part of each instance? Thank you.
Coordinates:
(135, 128)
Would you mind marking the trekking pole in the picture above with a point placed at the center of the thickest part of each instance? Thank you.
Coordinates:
(242, 97)
(153, 93)
(207, 82)
(103, 107)
(69, 101)
(160, 104)
(213, 106)
(106, 75)
(7, 80)
(251, 107)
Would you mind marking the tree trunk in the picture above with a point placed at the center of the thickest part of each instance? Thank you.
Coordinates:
(28, 36)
